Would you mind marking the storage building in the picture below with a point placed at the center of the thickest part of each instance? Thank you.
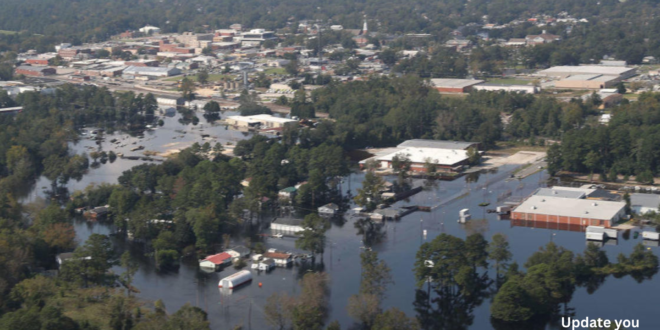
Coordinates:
(287, 224)
(523, 89)
(565, 71)
(235, 280)
(151, 71)
(260, 121)
(644, 203)
(37, 71)
(454, 85)
(571, 211)
(449, 159)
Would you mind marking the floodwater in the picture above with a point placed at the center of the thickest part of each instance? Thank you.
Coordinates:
(615, 299)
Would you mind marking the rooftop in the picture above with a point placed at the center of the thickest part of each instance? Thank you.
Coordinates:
(454, 83)
(434, 155)
(585, 69)
(291, 221)
(218, 258)
(260, 118)
(438, 144)
(645, 200)
(570, 207)
(564, 192)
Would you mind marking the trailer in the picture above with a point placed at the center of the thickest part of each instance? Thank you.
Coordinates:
(235, 280)
(598, 233)
(503, 209)
(651, 235)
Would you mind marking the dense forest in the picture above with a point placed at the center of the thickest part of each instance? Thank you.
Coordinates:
(384, 111)
(627, 146)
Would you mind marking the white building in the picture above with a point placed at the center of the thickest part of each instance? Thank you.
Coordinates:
(523, 89)
(287, 225)
(151, 71)
(644, 203)
(260, 121)
(150, 29)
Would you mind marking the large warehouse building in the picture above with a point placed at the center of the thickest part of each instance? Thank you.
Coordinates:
(454, 85)
(445, 155)
(260, 121)
(588, 76)
(569, 206)
(566, 71)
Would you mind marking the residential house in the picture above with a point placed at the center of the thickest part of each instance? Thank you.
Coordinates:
(328, 209)
(216, 261)
(281, 259)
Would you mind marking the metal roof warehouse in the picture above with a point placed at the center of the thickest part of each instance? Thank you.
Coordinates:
(574, 211)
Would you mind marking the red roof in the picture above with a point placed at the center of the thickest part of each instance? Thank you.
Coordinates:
(218, 258)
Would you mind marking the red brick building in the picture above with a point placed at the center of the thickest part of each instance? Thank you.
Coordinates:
(36, 71)
(36, 61)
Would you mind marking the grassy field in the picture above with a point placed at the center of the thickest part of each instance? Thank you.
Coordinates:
(280, 71)
(509, 81)
(212, 77)
(7, 32)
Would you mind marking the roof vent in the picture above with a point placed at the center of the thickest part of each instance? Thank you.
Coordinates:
(554, 192)
(543, 200)
(586, 212)
(533, 207)
(594, 204)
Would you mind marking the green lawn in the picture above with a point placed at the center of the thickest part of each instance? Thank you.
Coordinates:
(280, 71)
(509, 81)
(212, 77)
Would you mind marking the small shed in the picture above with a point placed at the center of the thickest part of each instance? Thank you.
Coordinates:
(236, 279)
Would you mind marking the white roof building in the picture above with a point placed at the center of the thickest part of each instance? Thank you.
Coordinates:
(149, 29)
(565, 71)
(572, 208)
(446, 157)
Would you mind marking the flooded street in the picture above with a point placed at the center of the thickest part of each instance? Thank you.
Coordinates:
(398, 247)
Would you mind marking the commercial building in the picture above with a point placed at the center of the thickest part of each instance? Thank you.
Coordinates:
(644, 203)
(568, 208)
(37, 71)
(257, 36)
(149, 29)
(151, 71)
(566, 71)
(438, 144)
(36, 61)
(523, 89)
(287, 225)
(260, 121)
(588, 81)
(454, 85)
(448, 159)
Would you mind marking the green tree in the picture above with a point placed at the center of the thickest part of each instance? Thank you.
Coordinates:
(369, 195)
(187, 88)
(395, 319)
(203, 76)
(498, 251)
(312, 238)
(511, 303)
